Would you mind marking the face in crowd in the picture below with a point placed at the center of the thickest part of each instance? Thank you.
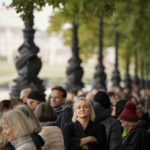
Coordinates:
(7, 131)
(82, 109)
(57, 98)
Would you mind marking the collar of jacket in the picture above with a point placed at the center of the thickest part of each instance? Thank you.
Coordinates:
(48, 123)
(61, 108)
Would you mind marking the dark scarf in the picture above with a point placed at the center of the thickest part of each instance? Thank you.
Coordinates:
(38, 140)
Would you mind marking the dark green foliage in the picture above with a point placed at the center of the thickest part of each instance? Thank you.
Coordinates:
(26, 7)
(132, 17)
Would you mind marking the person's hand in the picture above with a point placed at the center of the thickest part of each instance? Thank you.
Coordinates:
(85, 147)
(86, 140)
(92, 139)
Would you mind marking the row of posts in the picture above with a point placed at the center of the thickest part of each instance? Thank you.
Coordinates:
(28, 65)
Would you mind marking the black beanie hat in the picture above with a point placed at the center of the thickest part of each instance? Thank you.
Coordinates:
(36, 96)
(102, 98)
(120, 106)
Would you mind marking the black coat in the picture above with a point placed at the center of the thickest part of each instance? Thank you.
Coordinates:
(112, 127)
(64, 115)
(73, 132)
(137, 139)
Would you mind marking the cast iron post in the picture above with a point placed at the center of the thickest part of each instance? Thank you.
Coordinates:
(135, 82)
(74, 71)
(116, 74)
(28, 64)
(147, 76)
(100, 76)
(127, 79)
(142, 75)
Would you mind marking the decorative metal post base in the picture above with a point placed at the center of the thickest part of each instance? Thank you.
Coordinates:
(135, 81)
(127, 80)
(74, 71)
(142, 82)
(27, 64)
(100, 76)
(116, 74)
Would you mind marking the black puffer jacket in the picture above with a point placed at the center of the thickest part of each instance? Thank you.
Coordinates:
(112, 127)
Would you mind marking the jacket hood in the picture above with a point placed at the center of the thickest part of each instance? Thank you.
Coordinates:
(100, 112)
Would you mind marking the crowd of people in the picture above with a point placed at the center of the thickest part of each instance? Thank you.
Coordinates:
(112, 119)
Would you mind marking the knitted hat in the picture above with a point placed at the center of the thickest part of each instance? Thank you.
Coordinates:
(102, 98)
(129, 113)
(36, 96)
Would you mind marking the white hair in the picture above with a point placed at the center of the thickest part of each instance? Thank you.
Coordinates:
(23, 92)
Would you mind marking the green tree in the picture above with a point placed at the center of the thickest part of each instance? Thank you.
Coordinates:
(86, 14)
(133, 18)
(26, 7)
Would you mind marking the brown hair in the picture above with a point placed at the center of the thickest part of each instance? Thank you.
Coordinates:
(61, 89)
(5, 105)
(44, 112)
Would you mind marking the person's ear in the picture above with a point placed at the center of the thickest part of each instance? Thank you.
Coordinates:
(30, 104)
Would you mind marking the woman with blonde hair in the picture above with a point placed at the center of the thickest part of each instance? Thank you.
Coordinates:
(16, 127)
(5, 105)
(35, 126)
(83, 133)
(4, 144)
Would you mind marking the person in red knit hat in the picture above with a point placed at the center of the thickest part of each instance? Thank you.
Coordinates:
(129, 113)
(137, 137)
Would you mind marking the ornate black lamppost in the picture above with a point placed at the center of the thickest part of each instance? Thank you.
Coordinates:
(147, 76)
(27, 64)
(74, 71)
(116, 74)
(127, 79)
(142, 75)
(135, 81)
(100, 76)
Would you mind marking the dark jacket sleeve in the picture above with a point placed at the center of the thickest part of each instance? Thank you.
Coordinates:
(64, 117)
(113, 132)
(136, 140)
(71, 142)
(100, 135)
(115, 136)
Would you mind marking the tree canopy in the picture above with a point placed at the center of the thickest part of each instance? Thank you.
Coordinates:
(132, 17)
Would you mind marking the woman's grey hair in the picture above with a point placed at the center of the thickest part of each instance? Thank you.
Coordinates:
(92, 115)
(19, 122)
(132, 124)
(35, 125)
